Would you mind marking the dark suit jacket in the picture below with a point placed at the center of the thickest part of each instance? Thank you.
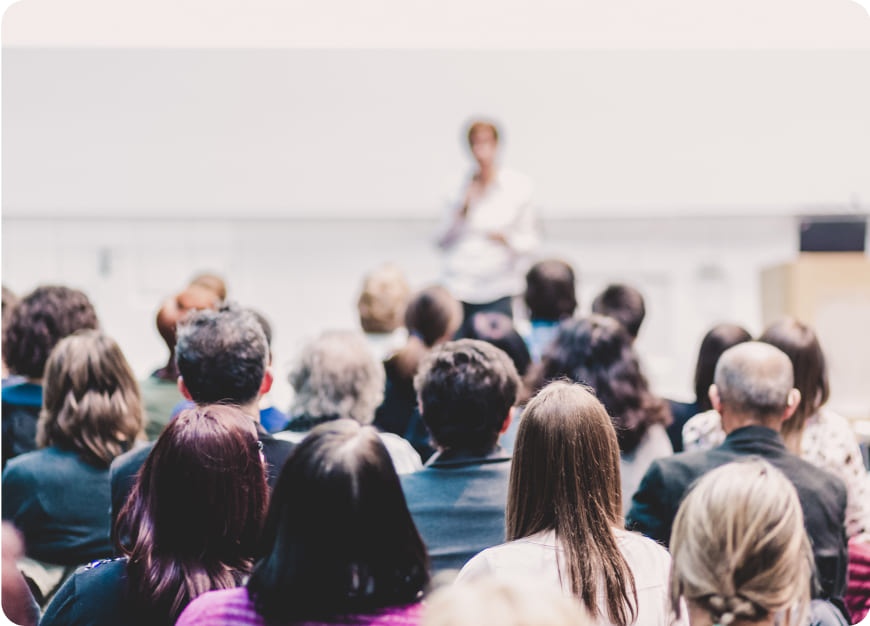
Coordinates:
(822, 496)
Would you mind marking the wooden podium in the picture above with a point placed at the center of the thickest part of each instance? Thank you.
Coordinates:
(831, 292)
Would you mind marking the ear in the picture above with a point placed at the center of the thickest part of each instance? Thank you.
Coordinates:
(268, 379)
(507, 421)
(182, 388)
(715, 400)
(794, 399)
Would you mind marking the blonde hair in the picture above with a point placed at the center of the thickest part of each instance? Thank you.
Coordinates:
(739, 547)
(91, 400)
(508, 602)
(384, 296)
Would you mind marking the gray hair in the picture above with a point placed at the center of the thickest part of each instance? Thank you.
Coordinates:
(337, 376)
(754, 378)
(739, 547)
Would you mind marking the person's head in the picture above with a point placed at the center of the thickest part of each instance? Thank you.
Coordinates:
(193, 298)
(193, 519)
(213, 282)
(340, 539)
(623, 303)
(498, 329)
(433, 315)
(506, 602)
(483, 141)
(337, 376)
(381, 304)
(91, 401)
(222, 356)
(565, 477)
(597, 351)
(754, 384)
(41, 319)
(740, 552)
(551, 293)
(800, 344)
(715, 342)
(466, 390)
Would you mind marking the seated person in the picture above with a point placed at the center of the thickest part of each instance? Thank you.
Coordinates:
(58, 496)
(381, 306)
(337, 377)
(30, 332)
(550, 297)
(623, 303)
(467, 390)
(754, 393)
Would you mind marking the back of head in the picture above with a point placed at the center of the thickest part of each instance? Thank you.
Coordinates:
(41, 319)
(565, 477)
(339, 537)
(466, 389)
(623, 303)
(799, 342)
(194, 516)
(597, 351)
(498, 329)
(384, 296)
(337, 376)
(194, 297)
(513, 602)
(754, 380)
(551, 293)
(222, 356)
(739, 548)
(91, 400)
(433, 315)
(715, 342)
(213, 282)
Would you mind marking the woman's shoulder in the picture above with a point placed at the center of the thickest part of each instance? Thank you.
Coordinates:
(527, 555)
(649, 561)
(94, 595)
(220, 606)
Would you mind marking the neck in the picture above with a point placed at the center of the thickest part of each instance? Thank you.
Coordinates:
(733, 421)
(252, 409)
(486, 172)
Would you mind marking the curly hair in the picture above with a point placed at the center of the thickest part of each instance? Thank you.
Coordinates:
(91, 400)
(41, 319)
(597, 351)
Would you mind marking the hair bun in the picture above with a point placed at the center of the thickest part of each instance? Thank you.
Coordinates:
(727, 609)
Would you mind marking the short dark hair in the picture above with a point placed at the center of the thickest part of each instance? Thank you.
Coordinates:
(466, 389)
(623, 303)
(498, 329)
(195, 513)
(41, 319)
(339, 537)
(551, 293)
(715, 342)
(598, 352)
(432, 313)
(222, 355)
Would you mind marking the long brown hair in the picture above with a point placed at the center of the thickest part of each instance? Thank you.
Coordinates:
(565, 477)
(194, 516)
(91, 401)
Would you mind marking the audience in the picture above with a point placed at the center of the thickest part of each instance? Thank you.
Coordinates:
(19, 606)
(432, 317)
(30, 331)
(596, 351)
(512, 602)
(466, 390)
(381, 307)
(192, 524)
(715, 342)
(58, 496)
(754, 393)
(550, 297)
(740, 552)
(564, 514)
(341, 545)
(337, 377)
(160, 390)
(624, 304)
(222, 358)
(498, 329)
